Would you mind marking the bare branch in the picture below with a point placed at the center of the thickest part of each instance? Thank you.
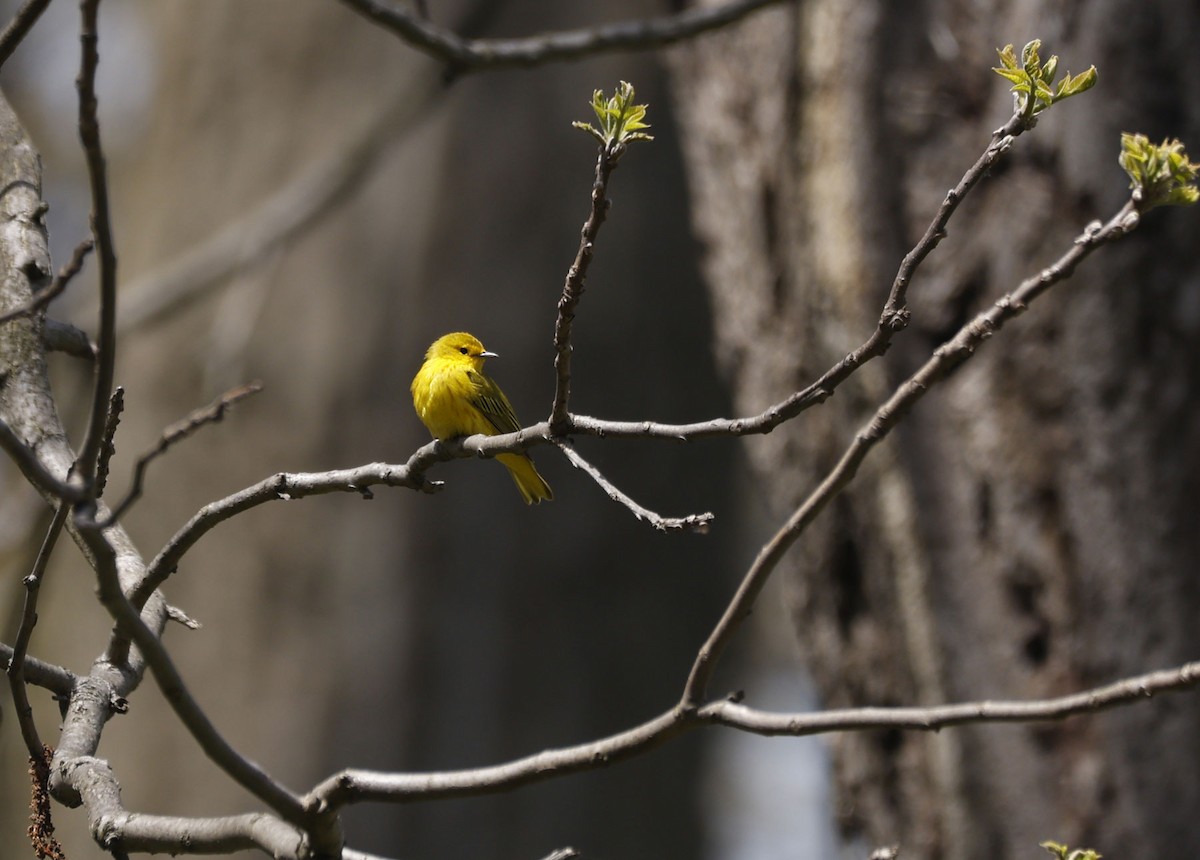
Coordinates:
(113, 827)
(16, 664)
(56, 679)
(893, 320)
(33, 469)
(177, 432)
(694, 522)
(66, 338)
(469, 55)
(606, 163)
(18, 28)
(358, 786)
(130, 623)
(1126, 692)
(27, 403)
(285, 486)
(944, 361)
(60, 283)
(89, 134)
(212, 413)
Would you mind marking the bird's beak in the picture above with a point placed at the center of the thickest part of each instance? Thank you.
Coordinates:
(488, 355)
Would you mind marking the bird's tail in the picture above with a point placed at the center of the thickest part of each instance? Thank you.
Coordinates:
(533, 486)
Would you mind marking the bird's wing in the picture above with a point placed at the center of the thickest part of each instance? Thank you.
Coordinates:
(492, 403)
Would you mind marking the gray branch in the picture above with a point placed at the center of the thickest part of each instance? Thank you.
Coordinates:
(468, 55)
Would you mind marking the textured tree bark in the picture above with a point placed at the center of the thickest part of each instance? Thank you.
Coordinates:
(1031, 527)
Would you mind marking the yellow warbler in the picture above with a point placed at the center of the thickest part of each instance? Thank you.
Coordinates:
(453, 397)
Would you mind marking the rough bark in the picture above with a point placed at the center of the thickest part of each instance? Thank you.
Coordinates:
(1032, 528)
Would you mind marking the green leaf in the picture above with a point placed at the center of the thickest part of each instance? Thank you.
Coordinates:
(1048, 70)
(620, 119)
(1159, 174)
(1033, 81)
(1071, 86)
(1029, 56)
(1008, 58)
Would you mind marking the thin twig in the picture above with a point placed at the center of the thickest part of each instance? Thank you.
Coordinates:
(16, 664)
(469, 55)
(694, 522)
(118, 649)
(933, 719)
(892, 320)
(177, 432)
(359, 786)
(606, 163)
(57, 285)
(20, 25)
(944, 361)
(57, 679)
(89, 134)
(285, 486)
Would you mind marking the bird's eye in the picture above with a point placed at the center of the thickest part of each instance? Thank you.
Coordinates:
(463, 350)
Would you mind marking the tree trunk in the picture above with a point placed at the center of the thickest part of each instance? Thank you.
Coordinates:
(1030, 530)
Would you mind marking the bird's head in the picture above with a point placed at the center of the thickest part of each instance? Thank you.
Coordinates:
(459, 347)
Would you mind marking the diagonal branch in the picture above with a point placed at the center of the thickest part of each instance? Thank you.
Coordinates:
(177, 432)
(60, 282)
(606, 163)
(285, 486)
(129, 621)
(20, 25)
(33, 468)
(892, 320)
(694, 522)
(944, 361)
(16, 664)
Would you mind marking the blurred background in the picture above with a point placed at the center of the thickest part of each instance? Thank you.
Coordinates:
(1030, 532)
(410, 632)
